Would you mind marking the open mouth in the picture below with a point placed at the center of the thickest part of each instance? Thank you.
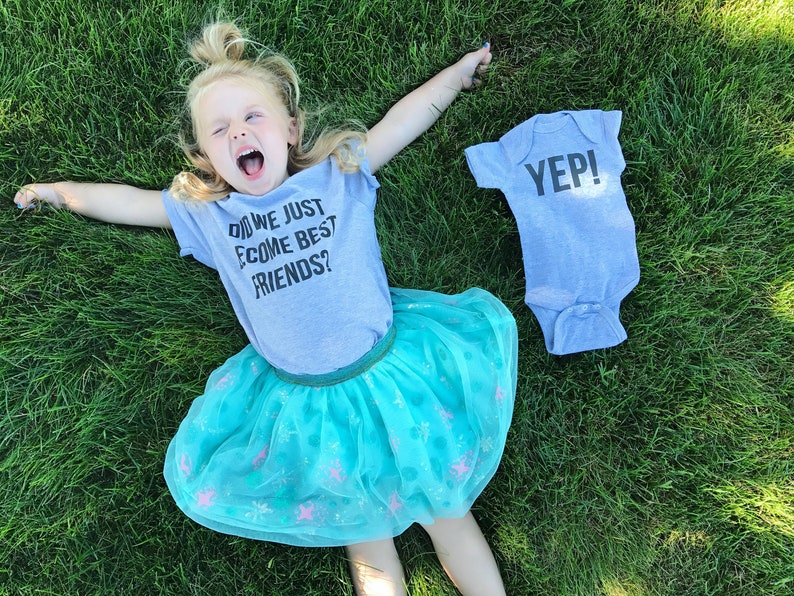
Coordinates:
(250, 162)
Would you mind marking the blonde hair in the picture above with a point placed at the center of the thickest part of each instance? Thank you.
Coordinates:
(220, 51)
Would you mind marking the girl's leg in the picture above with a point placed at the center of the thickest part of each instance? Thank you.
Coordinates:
(466, 556)
(376, 569)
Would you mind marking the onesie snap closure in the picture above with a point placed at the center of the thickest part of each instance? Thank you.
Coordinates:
(586, 326)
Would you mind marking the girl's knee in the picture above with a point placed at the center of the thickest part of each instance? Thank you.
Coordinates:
(465, 555)
(453, 527)
(376, 568)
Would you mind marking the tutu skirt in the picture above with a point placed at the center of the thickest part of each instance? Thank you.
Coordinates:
(412, 432)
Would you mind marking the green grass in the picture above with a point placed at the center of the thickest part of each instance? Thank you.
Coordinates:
(662, 466)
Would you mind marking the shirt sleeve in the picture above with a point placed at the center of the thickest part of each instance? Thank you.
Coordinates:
(370, 183)
(185, 220)
(486, 163)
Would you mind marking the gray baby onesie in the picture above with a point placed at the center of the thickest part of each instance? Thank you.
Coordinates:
(561, 174)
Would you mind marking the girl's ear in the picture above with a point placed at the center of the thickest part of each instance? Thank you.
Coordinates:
(293, 132)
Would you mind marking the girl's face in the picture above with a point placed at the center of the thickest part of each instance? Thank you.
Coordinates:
(245, 133)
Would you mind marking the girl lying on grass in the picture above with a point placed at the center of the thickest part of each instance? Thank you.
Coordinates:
(357, 410)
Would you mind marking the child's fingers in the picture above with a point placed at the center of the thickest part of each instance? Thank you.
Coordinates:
(487, 55)
(28, 198)
(481, 59)
(23, 197)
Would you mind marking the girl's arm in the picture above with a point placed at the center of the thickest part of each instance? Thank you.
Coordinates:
(418, 110)
(112, 203)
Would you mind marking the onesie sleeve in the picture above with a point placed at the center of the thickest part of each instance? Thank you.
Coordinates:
(185, 221)
(612, 122)
(487, 162)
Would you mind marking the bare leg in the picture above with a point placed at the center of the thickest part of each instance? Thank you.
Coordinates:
(376, 569)
(466, 556)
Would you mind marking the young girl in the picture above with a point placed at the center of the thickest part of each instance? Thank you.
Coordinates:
(356, 410)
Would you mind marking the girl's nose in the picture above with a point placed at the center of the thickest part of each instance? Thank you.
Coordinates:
(238, 134)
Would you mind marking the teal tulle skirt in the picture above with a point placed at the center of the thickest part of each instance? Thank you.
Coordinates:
(412, 432)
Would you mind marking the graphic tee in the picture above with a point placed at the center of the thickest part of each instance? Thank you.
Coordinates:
(560, 174)
(301, 265)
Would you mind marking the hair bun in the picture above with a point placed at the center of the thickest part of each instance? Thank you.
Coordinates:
(219, 42)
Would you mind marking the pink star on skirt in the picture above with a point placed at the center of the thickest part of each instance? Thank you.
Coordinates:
(461, 468)
(206, 497)
(394, 505)
(306, 512)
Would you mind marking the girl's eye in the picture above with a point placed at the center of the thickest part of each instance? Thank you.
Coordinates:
(218, 131)
(252, 116)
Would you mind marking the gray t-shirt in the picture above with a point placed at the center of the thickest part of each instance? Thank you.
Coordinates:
(301, 265)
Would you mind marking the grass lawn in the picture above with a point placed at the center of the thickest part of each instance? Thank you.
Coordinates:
(663, 466)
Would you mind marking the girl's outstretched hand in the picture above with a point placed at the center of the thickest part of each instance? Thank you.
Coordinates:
(111, 203)
(473, 66)
(32, 195)
(417, 111)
